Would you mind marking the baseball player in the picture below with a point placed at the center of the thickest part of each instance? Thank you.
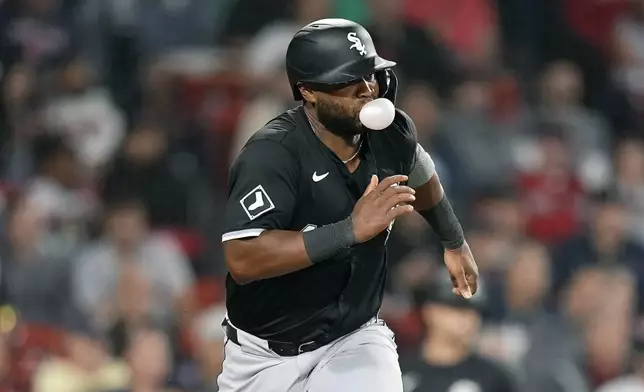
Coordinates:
(312, 198)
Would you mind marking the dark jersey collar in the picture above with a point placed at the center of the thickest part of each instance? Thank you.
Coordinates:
(366, 153)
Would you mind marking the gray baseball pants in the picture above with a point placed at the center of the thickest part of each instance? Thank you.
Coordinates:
(365, 360)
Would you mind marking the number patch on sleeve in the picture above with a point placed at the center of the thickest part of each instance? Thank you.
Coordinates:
(256, 202)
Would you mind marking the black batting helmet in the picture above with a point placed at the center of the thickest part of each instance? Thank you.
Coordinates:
(332, 51)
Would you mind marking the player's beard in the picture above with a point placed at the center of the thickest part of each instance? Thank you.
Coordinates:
(336, 119)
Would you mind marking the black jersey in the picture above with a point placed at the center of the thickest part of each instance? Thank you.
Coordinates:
(285, 178)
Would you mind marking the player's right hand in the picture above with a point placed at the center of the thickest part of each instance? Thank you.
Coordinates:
(380, 204)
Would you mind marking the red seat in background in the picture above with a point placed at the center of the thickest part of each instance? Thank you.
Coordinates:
(29, 344)
(191, 242)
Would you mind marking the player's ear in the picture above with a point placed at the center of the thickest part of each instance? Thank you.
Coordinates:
(308, 94)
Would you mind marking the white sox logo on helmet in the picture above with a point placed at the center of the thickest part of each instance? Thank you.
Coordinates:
(357, 44)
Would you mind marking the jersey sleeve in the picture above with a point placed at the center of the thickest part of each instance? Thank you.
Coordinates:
(261, 192)
(405, 131)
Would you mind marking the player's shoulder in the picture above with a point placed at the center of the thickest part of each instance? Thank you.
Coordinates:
(273, 145)
(400, 134)
(404, 125)
(280, 129)
(280, 133)
(398, 141)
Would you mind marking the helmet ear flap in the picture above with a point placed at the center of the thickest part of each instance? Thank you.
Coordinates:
(297, 95)
(388, 82)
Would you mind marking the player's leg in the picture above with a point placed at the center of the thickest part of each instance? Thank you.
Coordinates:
(249, 367)
(365, 361)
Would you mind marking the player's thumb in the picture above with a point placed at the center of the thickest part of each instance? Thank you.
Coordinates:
(372, 185)
(461, 283)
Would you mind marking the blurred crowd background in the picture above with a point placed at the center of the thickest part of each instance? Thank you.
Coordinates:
(119, 119)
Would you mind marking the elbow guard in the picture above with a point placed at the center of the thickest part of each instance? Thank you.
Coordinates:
(423, 169)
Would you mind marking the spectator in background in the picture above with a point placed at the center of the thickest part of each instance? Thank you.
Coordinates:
(516, 305)
(19, 89)
(56, 193)
(35, 282)
(468, 28)
(634, 380)
(591, 21)
(86, 365)
(211, 353)
(605, 243)
(551, 195)
(266, 51)
(608, 332)
(629, 184)
(158, 97)
(528, 284)
(150, 362)
(421, 103)
(153, 30)
(273, 97)
(264, 65)
(561, 93)
(144, 169)
(446, 361)
(132, 275)
(35, 32)
(85, 116)
(419, 52)
(494, 252)
(628, 50)
(415, 270)
(19, 121)
(498, 229)
(555, 360)
(501, 211)
(5, 366)
(483, 150)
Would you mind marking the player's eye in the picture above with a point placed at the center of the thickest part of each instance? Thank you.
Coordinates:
(370, 78)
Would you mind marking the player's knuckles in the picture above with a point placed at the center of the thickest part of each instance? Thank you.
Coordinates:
(401, 210)
(406, 197)
(471, 269)
(388, 194)
(404, 189)
(398, 190)
(389, 181)
(399, 199)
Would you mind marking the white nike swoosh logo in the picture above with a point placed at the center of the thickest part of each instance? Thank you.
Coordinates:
(317, 178)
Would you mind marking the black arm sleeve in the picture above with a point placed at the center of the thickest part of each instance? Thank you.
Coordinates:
(445, 223)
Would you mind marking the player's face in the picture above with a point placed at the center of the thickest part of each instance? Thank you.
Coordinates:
(339, 110)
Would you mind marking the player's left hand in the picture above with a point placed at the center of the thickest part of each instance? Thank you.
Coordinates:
(462, 270)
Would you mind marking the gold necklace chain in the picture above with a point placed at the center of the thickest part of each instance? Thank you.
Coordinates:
(357, 152)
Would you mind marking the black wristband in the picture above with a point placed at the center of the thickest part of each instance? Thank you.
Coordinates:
(445, 223)
(324, 242)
